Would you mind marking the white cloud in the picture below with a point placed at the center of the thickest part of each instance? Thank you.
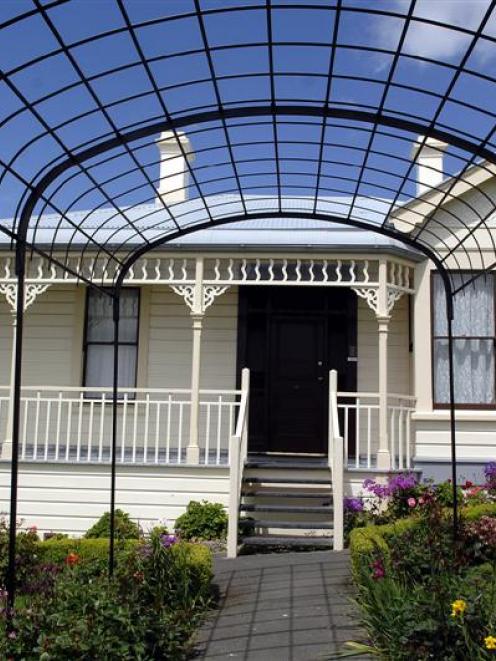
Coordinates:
(441, 43)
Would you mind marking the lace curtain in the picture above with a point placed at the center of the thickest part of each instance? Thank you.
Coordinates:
(473, 347)
(100, 335)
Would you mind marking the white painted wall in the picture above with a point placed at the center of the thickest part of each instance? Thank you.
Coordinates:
(69, 499)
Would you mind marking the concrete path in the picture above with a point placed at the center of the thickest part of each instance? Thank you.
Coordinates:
(280, 607)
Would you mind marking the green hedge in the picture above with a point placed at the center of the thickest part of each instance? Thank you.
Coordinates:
(364, 541)
(96, 551)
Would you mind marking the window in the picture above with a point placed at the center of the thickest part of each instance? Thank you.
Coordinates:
(99, 336)
(473, 342)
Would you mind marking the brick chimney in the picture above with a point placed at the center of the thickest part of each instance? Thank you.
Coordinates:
(173, 183)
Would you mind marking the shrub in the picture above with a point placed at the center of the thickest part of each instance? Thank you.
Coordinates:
(148, 611)
(203, 521)
(26, 542)
(125, 528)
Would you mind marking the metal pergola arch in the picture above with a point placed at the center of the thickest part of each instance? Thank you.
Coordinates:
(326, 96)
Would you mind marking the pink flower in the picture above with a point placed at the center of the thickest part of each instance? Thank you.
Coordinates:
(421, 500)
(378, 571)
(411, 502)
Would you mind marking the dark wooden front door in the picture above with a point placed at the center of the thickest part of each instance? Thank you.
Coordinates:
(297, 392)
(290, 337)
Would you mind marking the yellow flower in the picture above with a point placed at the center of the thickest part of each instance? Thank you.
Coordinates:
(490, 642)
(458, 607)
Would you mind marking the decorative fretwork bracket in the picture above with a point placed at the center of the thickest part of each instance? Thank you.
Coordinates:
(371, 296)
(31, 293)
(209, 294)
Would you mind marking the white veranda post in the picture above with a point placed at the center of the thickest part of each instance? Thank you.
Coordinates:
(198, 296)
(32, 291)
(197, 314)
(383, 317)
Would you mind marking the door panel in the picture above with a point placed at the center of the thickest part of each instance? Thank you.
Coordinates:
(297, 391)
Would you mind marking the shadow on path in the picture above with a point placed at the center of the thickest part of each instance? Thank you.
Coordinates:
(280, 607)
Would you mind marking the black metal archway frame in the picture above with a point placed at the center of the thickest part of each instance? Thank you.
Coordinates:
(304, 109)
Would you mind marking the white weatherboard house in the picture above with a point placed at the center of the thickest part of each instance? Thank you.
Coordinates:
(247, 352)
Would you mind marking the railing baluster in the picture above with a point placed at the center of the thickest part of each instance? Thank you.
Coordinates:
(80, 428)
(346, 435)
(408, 438)
(47, 427)
(102, 428)
(124, 430)
(357, 433)
(157, 430)
(392, 448)
(219, 422)
(400, 438)
(90, 430)
(68, 431)
(169, 425)
(369, 435)
(207, 434)
(36, 426)
(25, 429)
(180, 434)
(147, 418)
(135, 429)
(57, 433)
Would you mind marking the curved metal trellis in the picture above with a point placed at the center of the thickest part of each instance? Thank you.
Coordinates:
(290, 108)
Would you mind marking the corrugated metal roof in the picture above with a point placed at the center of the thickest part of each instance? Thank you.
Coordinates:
(286, 232)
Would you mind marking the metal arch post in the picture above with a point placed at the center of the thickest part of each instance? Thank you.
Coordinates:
(448, 291)
(14, 471)
(115, 387)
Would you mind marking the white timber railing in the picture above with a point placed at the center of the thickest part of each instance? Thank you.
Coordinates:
(75, 424)
(238, 454)
(336, 462)
(359, 420)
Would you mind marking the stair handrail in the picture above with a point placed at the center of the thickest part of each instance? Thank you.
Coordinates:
(238, 452)
(336, 462)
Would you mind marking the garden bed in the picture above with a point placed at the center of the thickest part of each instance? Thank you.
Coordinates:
(68, 608)
(423, 594)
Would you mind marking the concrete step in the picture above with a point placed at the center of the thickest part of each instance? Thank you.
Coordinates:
(301, 525)
(287, 540)
(286, 465)
(267, 493)
(270, 479)
(290, 509)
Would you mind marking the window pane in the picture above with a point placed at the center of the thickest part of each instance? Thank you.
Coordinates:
(129, 310)
(100, 317)
(100, 366)
(474, 371)
(473, 307)
(100, 326)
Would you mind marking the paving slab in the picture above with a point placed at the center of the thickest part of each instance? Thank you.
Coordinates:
(287, 606)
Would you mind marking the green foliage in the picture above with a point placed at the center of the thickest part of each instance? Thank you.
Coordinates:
(125, 528)
(25, 552)
(147, 612)
(410, 573)
(202, 521)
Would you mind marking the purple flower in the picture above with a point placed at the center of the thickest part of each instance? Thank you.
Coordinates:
(353, 505)
(167, 540)
(490, 474)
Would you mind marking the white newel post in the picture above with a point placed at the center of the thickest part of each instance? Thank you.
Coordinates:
(336, 462)
(197, 314)
(383, 453)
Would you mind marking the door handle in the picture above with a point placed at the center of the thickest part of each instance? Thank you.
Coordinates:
(320, 378)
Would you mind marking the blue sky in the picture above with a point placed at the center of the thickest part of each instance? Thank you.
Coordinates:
(301, 54)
